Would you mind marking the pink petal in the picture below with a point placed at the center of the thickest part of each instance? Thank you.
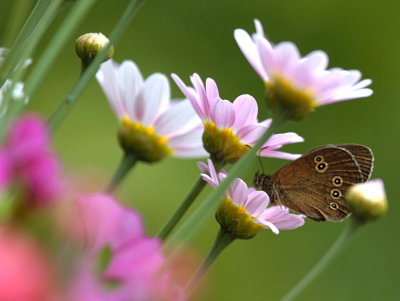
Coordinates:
(246, 111)
(223, 114)
(280, 155)
(256, 203)
(250, 51)
(190, 94)
(251, 133)
(238, 192)
(278, 140)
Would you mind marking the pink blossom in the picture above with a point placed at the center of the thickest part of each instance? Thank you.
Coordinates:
(137, 262)
(310, 73)
(31, 161)
(254, 202)
(239, 116)
(146, 102)
(25, 272)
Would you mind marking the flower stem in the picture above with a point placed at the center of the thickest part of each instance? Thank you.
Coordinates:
(342, 241)
(222, 240)
(91, 70)
(126, 164)
(194, 222)
(180, 211)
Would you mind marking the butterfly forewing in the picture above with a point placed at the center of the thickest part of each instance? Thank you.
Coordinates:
(315, 184)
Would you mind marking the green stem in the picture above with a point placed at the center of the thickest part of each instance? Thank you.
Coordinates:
(91, 70)
(23, 48)
(222, 240)
(181, 210)
(33, 29)
(126, 164)
(15, 21)
(340, 244)
(194, 222)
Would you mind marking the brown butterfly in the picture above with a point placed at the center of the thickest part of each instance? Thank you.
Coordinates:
(315, 183)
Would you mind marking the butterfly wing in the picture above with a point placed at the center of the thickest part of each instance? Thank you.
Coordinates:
(364, 157)
(315, 184)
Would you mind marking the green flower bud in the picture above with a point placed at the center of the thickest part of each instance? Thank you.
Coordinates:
(89, 45)
(367, 201)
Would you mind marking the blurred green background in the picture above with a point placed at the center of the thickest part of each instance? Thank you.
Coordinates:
(197, 36)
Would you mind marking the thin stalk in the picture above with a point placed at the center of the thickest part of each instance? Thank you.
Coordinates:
(15, 21)
(222, 240)
(209, 205)
(91, 70)
(40, 18)
(340, 244)
(43, 13)
(181, 210)
(126, 164)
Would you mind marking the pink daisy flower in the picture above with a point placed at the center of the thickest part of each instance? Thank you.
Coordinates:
(152, 126)
(298, 84)
(230, 128)
(244, 211)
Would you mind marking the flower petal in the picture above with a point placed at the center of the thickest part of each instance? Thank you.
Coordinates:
(152, 99)
(246, 111)
(223, 114)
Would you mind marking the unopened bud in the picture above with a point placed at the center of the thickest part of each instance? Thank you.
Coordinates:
(89, 45)
(367, 201)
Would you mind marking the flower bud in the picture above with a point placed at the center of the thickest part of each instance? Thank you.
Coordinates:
(89, 45)
(367, 201)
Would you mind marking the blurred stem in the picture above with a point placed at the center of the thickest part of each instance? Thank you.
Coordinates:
(91, 70)
(23, 47)
(180, 211)
(340, 244)
(222, 240)
(15, 20)
(194, 222)
(29, 35)
(127, 163)
(184, 206)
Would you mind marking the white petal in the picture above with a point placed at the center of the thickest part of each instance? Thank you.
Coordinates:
(278, 140)
(186, 140)
(130, 82)
(251, 133)
(176, 117)
(152, 99)
(107, 78)
(280, 155)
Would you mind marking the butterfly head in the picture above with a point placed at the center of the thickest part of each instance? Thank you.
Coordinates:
(262, 182)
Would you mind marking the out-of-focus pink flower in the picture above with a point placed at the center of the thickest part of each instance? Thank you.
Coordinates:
(136, 263)
(30, 161)
(5, 169)
(101, 221)
(298, 84)
(25, 272)
(230, 128)
(242, 202)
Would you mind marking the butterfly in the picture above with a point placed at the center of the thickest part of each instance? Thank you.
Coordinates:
(315, 184)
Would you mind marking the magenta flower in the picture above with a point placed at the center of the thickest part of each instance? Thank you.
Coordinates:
(230, 128)
(244, 212)
(298, 84)
(152, 126)
(27, 158)
(137, 262)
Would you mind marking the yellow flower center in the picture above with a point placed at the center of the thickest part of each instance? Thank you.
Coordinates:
(236, 221)
(292, 101)
(222, 144)
(142, 141)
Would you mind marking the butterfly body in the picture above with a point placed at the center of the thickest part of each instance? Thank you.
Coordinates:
(315, 183)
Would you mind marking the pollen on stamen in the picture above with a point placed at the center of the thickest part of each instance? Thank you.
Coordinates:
(149, 130)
